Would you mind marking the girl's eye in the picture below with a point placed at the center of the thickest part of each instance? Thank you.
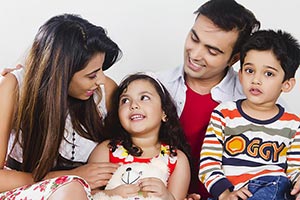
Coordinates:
(248, 70)
(124, 100)
(269, 74)
(145, 97)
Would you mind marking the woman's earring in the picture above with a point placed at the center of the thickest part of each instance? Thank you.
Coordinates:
(164, 117)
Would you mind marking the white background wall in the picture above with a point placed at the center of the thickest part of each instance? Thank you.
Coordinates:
(151, 33)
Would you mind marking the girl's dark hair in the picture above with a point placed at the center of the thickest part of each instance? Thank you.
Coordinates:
(170, 132)
(63, 46)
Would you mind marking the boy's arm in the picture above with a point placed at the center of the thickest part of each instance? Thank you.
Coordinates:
(211, 172)
(293, 163)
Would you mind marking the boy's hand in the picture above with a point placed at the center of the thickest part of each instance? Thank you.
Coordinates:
(296, 189)
(242, 193)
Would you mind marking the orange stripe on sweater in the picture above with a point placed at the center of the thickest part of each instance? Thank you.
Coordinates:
(231, 113)
(293, 159)
(209, 164)
(246, 177)
(211, 142)
(289, 116)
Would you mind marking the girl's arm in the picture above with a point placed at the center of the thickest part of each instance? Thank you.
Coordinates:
(9, 179)
(101, 154)
(178, 183)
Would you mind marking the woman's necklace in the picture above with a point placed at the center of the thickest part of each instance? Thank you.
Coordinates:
(73, 146)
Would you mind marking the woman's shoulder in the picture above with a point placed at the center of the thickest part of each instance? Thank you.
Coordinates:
(8, 81)
(9, 88)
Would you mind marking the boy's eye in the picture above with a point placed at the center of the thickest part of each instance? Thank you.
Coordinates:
(145, 97)
(269, 74)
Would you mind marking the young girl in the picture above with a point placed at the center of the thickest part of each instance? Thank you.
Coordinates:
(58, 111)
(143, 125)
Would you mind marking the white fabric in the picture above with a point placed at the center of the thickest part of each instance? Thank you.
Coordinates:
(229, 89)
(85, 145)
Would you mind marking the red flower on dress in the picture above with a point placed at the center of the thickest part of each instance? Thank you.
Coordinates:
(83, 182)
(62, 179)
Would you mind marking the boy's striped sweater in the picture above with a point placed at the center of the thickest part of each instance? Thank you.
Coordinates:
(238, 148)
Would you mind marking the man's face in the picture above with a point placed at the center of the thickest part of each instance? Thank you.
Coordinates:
(207, 51)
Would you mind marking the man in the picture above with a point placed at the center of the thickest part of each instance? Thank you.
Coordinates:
(207, 77)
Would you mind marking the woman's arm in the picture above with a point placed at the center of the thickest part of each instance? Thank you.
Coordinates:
(96, 172)
(9, 179)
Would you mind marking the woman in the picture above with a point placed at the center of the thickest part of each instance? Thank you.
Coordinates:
(58, 112)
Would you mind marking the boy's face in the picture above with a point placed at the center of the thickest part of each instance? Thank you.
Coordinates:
(207, 50)
(262, 78)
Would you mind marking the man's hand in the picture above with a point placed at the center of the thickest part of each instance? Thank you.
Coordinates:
(8, 70)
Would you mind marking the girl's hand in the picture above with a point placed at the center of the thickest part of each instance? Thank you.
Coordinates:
(155, 187)
(125, 190)
(96, 174)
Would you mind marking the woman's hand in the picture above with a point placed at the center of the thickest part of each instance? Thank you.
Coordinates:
(96, 174)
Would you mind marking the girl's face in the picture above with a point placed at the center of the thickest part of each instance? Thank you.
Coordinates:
(85, 82)
(140, 109)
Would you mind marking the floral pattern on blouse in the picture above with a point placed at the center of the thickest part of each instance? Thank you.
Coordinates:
(43, 189)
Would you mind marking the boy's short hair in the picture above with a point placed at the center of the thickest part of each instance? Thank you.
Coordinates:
(283, 45)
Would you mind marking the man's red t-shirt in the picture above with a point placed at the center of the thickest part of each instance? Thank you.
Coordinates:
(194, 120)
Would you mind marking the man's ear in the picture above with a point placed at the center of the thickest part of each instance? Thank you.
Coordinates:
(240, 75)
(234, 59)
(288, 85)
